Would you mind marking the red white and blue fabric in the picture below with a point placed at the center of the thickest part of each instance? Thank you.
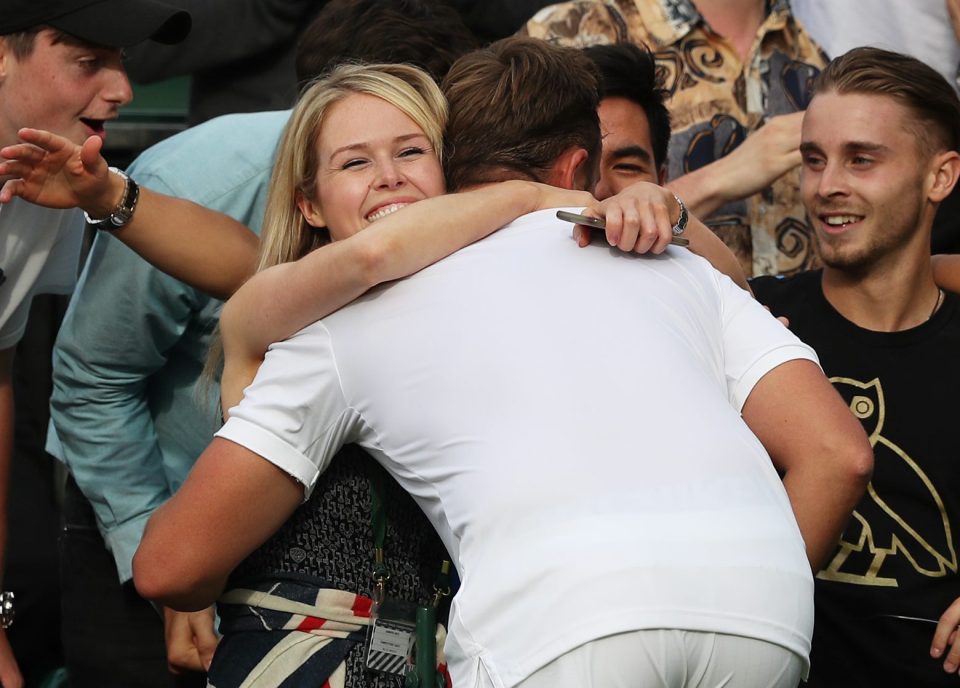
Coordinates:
(291, 634)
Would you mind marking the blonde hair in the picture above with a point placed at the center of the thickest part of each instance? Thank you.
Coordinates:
(286, 236)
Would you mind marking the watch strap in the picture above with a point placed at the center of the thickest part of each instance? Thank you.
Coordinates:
(123, 212)
(682, 220)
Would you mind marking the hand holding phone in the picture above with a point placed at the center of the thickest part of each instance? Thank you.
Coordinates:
(599, 223)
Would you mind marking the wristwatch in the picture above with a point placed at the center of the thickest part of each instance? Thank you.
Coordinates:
(682, 220)
(124, 211)
(6, 610)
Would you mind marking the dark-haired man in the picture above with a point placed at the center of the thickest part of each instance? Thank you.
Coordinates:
(880, 152)
(60, 69)
(738, 72)
(634, 121)
(584, 531)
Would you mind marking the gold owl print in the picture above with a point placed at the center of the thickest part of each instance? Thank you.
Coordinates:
(882, 534)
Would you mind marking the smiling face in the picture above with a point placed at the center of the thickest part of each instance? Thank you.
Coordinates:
(866, 179)
(627, 155)
(372, 160)
(64, 85)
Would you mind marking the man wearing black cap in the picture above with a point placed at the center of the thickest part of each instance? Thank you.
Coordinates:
(61, 70)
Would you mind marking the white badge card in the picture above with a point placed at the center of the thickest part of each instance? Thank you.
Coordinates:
(390, 636)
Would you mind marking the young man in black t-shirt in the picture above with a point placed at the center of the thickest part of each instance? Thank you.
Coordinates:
(879, 150)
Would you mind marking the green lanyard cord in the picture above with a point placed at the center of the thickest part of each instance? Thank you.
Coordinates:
(378, 523)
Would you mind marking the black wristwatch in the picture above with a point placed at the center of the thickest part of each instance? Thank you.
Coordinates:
(682, 220)
(124, 211)
(6, 610)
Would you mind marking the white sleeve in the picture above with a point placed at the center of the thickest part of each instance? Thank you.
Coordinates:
(754, 342)
(294, 414)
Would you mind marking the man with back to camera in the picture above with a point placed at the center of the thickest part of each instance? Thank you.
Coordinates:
(586, 497)
(880, 152)
(60, 68)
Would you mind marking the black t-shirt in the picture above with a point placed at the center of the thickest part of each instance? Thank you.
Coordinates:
(896, 570)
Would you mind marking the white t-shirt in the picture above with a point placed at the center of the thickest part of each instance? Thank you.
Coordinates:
(568, 420)
(39, 254)
(920, 28)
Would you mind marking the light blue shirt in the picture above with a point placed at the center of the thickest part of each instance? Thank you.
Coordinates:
(127, 415)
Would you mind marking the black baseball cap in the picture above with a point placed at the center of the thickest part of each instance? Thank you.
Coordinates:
(113, 23)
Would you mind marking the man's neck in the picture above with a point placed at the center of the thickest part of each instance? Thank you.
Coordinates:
(736, 20)
(895, 296)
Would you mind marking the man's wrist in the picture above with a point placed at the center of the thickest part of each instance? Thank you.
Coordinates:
(103, 206)
(122, 212)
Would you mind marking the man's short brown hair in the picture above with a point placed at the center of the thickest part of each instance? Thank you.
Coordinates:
(515, 108)
(916, 85)
(21, 42)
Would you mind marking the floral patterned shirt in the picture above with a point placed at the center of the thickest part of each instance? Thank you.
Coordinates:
(716, 100)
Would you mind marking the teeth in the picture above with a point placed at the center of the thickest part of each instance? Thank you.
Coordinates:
(384, 211)
(838, 220)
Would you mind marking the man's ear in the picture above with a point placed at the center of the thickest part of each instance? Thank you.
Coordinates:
(5, 56)
(945, 171)
(310, 210)
(570, 170)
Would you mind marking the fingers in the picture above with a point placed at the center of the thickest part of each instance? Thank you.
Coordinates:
(52, 143)
(182, 654)
(945, 638)
(582, 235)
(23, 153)
(640, 226)
(204, 636)
(90, 154)
(13, 187)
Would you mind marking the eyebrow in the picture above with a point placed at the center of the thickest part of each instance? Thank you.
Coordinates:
(365, 144)
(632, 152)
(848, 148)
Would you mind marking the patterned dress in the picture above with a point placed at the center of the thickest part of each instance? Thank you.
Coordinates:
(716, 100)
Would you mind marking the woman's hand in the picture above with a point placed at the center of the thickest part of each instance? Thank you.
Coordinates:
(54, 172)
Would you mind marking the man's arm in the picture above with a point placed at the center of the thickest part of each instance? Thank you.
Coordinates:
(763, 157)
(9, 672)
(946, 271)
(231, 502)
(818, 446)
(179, 237)
(122, 322)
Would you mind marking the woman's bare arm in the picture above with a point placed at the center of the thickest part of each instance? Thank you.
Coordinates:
(284, 298)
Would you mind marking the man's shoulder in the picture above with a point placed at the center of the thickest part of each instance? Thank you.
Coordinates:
(581, 23)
